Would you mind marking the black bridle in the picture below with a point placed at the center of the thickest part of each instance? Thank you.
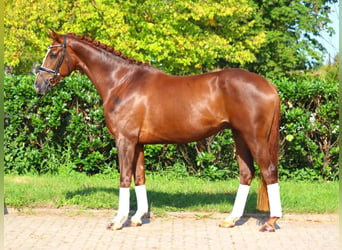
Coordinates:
(59, 64)
(51, 81)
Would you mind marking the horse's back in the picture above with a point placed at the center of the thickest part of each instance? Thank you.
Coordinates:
(227, 79)
(246, 80)
(177, 109)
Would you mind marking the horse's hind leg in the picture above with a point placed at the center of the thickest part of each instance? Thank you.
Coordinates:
(269, 173)
(140, 188)
(246, 169)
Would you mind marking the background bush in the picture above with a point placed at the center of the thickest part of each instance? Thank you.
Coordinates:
(66, 132)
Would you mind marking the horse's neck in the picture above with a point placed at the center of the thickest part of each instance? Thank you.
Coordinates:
(103, 68)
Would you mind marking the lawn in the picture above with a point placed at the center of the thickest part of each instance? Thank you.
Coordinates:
(165, 193)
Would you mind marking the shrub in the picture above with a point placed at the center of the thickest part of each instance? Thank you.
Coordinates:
(309, 129)
(67, 131)
(66, 128)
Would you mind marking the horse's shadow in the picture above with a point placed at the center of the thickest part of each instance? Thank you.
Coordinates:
(182, 201)
(173, 201)
(260, 218)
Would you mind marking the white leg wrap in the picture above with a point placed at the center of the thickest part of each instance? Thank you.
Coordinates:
(273, 191)
(142, 202)
(123, 202)
(240, 201)
(140, 192)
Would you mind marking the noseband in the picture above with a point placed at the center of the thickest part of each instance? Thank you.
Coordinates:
(52, 81)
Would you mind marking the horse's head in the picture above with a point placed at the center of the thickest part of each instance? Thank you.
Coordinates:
(56, 65)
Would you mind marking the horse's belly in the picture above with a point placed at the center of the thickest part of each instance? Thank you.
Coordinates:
(180, 133)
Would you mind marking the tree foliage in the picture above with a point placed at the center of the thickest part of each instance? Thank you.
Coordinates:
(292, 30)
(180, 37)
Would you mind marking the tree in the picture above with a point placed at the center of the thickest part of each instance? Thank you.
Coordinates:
(180, 37)
(292, 28)
(26, 24)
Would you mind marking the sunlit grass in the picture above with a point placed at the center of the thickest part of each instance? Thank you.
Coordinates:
(165, 194)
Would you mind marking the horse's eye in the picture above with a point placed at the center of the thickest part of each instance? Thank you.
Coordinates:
(53, 55)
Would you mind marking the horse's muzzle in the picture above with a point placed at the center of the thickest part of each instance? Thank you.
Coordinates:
(42, 85)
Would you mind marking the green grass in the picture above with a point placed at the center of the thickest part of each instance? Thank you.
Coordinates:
(165, 194)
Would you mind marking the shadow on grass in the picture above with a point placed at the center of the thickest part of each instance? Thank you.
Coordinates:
(172, 201)
(181, 202)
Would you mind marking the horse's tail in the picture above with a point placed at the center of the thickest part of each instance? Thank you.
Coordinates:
(273, 146)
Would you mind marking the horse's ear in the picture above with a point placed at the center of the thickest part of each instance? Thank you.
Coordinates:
(53, 35)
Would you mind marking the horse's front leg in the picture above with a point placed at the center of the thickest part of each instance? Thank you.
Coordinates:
(126, 150)
(140, 188)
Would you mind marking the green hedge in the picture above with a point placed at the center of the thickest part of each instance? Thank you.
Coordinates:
(66, 132)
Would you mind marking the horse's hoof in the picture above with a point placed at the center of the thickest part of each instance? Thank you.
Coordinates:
(135, 223)
(115, 226)
(110, 226)
(117, 223)
(136, 220)
(267, 228)
(228, 223)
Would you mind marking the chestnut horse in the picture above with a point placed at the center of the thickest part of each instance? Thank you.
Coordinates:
(143, 105)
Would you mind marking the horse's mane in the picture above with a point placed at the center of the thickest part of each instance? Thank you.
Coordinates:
(107, 48)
